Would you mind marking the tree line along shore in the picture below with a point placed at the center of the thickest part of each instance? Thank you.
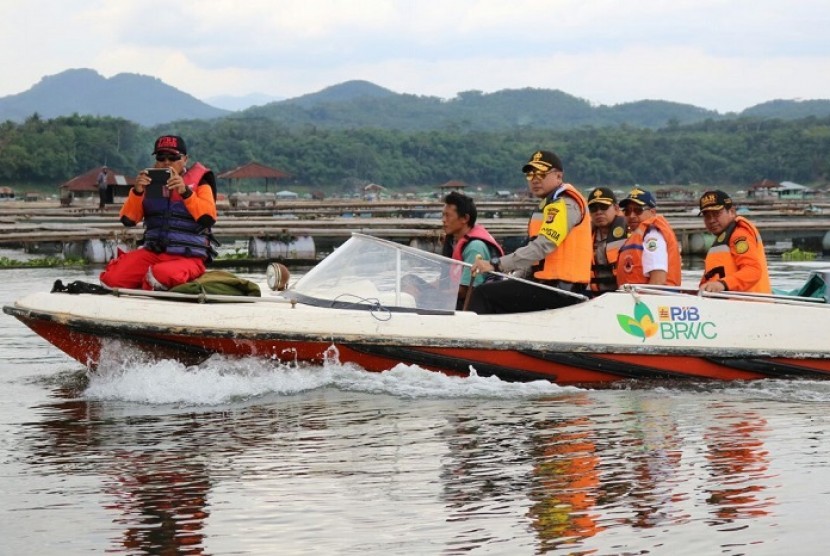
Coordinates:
(735, 153)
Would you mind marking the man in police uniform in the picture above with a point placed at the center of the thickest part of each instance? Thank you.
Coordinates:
(558, 251)
(608, 231)
(736, 261)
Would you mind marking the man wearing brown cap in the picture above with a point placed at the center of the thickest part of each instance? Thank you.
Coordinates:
(609, 231)
(177, 222)
(558, 251)
(651, 254)
(736, 261)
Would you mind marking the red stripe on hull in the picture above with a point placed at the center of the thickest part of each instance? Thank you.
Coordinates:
(86, 348)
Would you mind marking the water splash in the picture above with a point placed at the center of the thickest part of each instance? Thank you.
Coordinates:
(134, 377)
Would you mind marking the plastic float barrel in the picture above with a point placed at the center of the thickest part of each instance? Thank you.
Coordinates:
(300, 247)
(825, 242)
(93, 250)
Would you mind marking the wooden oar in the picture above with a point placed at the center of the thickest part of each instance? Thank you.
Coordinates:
(469, 295)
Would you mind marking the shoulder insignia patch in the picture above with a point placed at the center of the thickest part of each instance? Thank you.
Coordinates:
(741, 246)
(550, 214)
(721, 237)
(618, 232)
(651, 245)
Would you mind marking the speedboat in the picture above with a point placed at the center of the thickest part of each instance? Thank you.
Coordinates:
(376, 303)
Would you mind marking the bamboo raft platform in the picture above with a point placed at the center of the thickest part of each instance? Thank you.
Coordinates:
(333, 221)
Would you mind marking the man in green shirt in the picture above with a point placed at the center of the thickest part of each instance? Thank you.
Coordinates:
(465, 240)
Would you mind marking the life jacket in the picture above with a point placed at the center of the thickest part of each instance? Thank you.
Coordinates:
(476, 232)
(604, 276)
(170, 228)
(720, 259)
(571, 260)
(630, 260)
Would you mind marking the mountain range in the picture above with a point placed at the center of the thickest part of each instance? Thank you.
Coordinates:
(142, 99)
(359, 104)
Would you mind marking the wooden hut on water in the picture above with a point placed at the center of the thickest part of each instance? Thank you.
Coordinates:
(85, 186)
(252, 171)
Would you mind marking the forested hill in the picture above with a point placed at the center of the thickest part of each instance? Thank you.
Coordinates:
(357, 104)
(357, 132)
(360, 104)
(711, 153)
(148, 101)
(139, 98)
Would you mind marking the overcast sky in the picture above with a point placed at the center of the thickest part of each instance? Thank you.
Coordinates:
(725, 55)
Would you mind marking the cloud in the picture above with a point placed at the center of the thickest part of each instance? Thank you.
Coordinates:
(724, 54)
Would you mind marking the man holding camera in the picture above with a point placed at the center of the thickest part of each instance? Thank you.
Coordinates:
(178, 207)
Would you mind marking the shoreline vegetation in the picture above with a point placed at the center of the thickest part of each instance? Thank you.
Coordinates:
(710, 154)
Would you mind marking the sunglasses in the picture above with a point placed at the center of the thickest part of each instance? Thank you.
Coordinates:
(633, 210)
(530, 176)
(161, 157)
(596, 207)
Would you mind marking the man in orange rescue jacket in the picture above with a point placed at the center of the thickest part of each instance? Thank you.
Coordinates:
(651, 254)
(736, 260)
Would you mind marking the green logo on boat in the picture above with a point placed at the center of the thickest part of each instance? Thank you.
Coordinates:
(674, 322)
(641, 325)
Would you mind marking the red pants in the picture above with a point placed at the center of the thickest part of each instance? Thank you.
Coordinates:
(147, 270)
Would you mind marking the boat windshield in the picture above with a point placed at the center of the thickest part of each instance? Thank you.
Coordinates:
(369, 271)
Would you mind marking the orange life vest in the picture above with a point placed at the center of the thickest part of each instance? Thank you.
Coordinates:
(604, 276)
(630, 262)
(571, 260)
(737, 257)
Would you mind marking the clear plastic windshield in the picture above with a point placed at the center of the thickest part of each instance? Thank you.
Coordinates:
(371, 271)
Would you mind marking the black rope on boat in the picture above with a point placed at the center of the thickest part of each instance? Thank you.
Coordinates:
(79, 286)
(376, 309)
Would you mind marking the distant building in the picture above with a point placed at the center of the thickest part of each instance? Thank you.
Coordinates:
(764, 189)
(373, 191)
(786, 190)
(675, 194)
(792, 190)
(452, 185)
(85, 186)
(252, 171)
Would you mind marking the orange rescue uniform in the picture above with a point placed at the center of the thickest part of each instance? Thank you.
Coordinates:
(737, 259)
(630, 262)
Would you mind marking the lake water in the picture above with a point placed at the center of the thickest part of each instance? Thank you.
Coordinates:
(248, 457)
